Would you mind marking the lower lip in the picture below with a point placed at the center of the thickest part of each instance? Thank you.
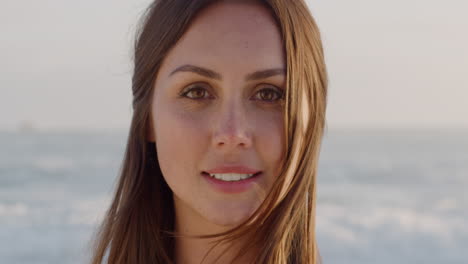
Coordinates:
(232, 186)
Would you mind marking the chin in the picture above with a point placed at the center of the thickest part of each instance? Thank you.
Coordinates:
(229, 215)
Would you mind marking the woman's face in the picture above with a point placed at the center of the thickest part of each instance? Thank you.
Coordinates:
(218, 108)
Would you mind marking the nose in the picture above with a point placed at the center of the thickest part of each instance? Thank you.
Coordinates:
(232, 128)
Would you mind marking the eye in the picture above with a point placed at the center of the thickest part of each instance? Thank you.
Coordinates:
(195, 92)
(269, 94)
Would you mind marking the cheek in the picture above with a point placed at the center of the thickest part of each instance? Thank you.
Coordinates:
(179, 142)
(270, 137)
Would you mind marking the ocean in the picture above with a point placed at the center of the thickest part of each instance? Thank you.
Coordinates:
(383, 196)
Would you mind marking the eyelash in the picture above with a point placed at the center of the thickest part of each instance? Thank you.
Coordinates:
(277, 91)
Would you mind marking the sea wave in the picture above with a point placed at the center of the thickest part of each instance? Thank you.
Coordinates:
(352, 225)
(13, 210)
(54, 163)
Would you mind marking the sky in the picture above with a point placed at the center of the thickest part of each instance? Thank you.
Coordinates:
(66, 65)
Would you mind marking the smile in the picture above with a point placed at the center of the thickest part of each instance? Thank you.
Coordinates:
(231, 176)
(232, 182)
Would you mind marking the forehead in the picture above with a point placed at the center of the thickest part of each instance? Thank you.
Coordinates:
(229, 35)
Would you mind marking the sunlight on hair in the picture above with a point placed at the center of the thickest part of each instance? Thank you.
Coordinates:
(300, 134)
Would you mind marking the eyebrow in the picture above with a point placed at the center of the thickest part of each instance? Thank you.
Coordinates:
(262, 74)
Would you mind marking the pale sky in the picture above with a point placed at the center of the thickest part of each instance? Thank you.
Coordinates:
(401, 63)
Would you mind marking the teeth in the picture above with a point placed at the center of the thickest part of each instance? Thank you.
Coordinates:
(231, 176)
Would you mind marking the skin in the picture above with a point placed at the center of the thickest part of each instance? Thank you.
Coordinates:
(228, 120)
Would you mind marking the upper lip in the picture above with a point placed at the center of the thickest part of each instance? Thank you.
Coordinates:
(233, 169)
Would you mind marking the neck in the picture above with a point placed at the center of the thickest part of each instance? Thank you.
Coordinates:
(193, 250)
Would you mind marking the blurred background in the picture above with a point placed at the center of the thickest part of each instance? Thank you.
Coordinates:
(393, 171)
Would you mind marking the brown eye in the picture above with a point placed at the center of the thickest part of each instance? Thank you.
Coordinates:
(196, 93)
(269, 95)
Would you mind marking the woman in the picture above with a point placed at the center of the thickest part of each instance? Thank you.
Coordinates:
(229, 102)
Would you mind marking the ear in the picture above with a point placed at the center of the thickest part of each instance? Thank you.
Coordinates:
(150, 135)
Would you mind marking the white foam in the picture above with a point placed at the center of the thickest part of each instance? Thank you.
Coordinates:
(13, 210)
(342, 220)
(88, 212)
(341, 233)
(53, 163)
(447, 204)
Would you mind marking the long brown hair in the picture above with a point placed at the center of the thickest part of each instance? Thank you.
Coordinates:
(139, 225)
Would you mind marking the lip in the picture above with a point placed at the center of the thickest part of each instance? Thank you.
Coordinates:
(231, 187)
(233, 169)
